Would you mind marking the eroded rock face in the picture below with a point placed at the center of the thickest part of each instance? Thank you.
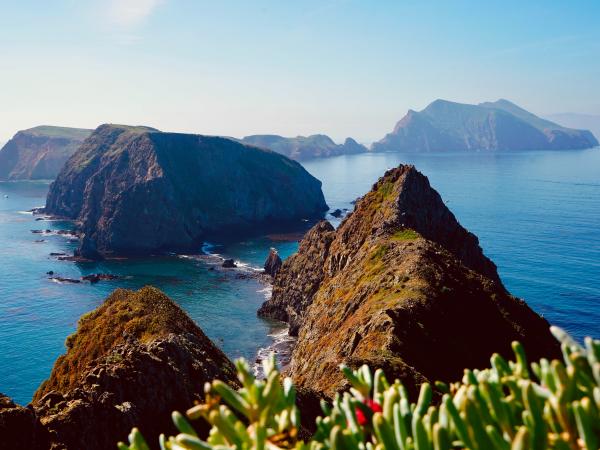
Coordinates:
(299, 278)
(131, 362)
(39, 153)
(402, 286)
(135, 190)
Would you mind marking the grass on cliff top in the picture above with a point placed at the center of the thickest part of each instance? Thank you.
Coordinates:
(60, 132)
(146, 314)
(406, 234)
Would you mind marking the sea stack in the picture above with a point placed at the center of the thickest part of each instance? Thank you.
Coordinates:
(273, 263)
(131, 362)
(39, 153)
(401, 286)
(136, 190)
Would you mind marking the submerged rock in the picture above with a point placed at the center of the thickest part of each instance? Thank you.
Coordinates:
(273, 263)
(400, 285)
(135, 190)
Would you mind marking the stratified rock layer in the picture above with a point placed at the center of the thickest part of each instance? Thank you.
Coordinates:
(501, 125)
(132, 361)
(135, 190)
(39, 153)
(399, 285)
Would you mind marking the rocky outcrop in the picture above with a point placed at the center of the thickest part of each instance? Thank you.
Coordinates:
(500, 125)
(135, 190)
(39, 153)
(131, 362)
(305, 147)
(20, 428)
(273, 263)
(399, 285)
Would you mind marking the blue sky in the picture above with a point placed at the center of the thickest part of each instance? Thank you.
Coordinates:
(340, 67)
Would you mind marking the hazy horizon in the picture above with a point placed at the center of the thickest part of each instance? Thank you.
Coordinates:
(341, 68)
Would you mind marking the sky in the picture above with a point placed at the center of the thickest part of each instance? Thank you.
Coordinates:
(338, 67)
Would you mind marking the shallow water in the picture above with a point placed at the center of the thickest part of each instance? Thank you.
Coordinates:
(537, 215)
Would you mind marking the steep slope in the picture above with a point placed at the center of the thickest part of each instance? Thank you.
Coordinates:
(500, 125)
(137, 190)
(131, 362)
(39, 153)
(581, 121)
(399, 285)
(305, 147)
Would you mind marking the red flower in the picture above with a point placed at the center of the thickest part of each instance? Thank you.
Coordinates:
(372, 406)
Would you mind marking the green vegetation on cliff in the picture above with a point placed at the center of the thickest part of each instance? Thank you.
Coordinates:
(510, 406)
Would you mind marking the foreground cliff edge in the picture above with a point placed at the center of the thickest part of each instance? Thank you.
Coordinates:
(401, 286)
(136, 190)
(132, 361)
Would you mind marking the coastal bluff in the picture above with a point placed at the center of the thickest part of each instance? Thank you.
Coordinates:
(401, 286)
(131, 362)
(136, 190)
(39, 153)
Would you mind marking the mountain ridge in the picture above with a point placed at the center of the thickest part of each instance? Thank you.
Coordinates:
(445, 126)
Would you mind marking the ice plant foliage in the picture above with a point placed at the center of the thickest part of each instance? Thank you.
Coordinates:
(510, 406)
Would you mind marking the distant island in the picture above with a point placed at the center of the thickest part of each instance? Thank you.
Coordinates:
(137, 190)
(39, 153)
(500, 125)
(305, 147)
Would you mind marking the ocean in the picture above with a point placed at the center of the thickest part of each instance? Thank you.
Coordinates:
(537, 215)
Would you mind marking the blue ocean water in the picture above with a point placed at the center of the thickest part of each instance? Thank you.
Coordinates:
(537, 215)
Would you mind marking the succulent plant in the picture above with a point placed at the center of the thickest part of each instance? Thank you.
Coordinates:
(510, 406)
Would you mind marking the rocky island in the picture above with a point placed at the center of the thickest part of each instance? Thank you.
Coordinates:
(39, 153)
(500, 125)
(401, 286)
(131, 362)
(305, 147)
(136, 190)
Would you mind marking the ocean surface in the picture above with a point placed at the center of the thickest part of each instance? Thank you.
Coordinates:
(537, 215)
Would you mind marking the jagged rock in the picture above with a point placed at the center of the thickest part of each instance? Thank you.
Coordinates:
(20, 428)
(273, 263)
(135, 190)
(131, 362)
(399, 285)
(39, 153)
(299, 278)
(337, 213)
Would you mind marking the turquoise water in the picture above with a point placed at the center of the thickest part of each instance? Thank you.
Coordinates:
(537, 215)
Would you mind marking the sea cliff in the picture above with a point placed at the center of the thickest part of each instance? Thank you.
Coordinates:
(136, 190)
(400, 285)
(39, 153)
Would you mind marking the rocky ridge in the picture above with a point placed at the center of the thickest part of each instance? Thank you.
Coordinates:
(135, 190)
(39, 153)
(305, 147)
(501, 125)
(131, 362)
(399, 285)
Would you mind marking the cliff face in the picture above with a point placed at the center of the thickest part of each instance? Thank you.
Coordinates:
(137, 190)
(305, 147)
(399, 285)
(39, 153)
(131, 362)
(500, 125)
